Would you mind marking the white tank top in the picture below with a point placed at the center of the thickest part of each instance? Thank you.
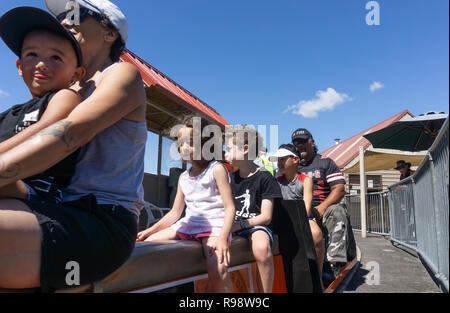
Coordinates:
(92, 88)
(111, 166)
(204, 206)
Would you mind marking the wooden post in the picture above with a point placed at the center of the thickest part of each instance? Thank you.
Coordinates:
(363, 191)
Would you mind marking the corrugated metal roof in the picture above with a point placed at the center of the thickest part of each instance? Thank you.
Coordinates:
(154, 78)
(344, 152)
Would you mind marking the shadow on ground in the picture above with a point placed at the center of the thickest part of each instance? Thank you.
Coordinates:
(358, 279)
(388, 268)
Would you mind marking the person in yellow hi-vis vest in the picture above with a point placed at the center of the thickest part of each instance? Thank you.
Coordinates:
(263, 161)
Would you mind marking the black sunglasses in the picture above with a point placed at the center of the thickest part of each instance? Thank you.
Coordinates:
(299, 140)
(83, 12)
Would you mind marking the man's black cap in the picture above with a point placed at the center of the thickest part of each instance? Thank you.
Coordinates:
(402, 164)
(301, 133)
(18, 22)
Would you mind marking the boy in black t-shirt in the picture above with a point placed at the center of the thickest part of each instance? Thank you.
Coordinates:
(50, 60)
(254, 190)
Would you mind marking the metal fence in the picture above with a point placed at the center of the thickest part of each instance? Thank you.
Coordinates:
(377, 212)
(414, 212)
(419, 208)
(401, 211)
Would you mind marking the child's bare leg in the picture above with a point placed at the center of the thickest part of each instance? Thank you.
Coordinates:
(14, 190)
(165, 234)
(262, 252)
(319, 243)
(217, 273)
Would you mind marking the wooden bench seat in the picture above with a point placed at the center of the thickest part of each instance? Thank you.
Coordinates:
(155, 263)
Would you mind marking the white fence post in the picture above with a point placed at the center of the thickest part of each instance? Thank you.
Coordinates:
(362, 184)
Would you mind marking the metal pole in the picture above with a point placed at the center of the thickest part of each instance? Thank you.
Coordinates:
(382, 212)
(362, 183)
(392, 217)
(436, 212)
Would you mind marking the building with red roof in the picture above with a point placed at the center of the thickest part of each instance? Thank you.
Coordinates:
(167, 101)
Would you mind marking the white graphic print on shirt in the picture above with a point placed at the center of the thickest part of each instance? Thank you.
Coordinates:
(244, 212)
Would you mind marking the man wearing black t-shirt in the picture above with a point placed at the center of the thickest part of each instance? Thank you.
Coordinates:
(328, 192)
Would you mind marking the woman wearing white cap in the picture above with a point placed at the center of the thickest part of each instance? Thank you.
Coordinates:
(94, 230)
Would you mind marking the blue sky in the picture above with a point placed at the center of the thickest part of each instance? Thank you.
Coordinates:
(252, 60)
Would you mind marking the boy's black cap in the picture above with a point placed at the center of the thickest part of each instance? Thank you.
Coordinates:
(18, 22)
(301, 133)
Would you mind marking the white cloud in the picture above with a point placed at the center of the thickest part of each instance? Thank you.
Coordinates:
(3, 93)
(375, 86)
(324, 101)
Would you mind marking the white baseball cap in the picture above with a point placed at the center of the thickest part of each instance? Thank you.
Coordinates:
(281, 153)
(105, 7)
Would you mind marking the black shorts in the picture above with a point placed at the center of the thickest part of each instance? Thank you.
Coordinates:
(248, 231)
(99, 238)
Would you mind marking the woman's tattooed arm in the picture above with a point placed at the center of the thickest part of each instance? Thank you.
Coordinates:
(59, 130)
(25, 160)
(8, 170)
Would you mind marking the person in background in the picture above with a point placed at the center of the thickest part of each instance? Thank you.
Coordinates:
(263, 161)
(404, 169)
(326, 208)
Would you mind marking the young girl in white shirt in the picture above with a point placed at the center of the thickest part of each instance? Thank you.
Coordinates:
(205, 190)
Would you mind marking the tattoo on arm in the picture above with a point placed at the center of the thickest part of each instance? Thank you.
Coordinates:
(60, 130)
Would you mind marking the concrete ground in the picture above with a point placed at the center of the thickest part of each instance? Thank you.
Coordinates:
(386, 268)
